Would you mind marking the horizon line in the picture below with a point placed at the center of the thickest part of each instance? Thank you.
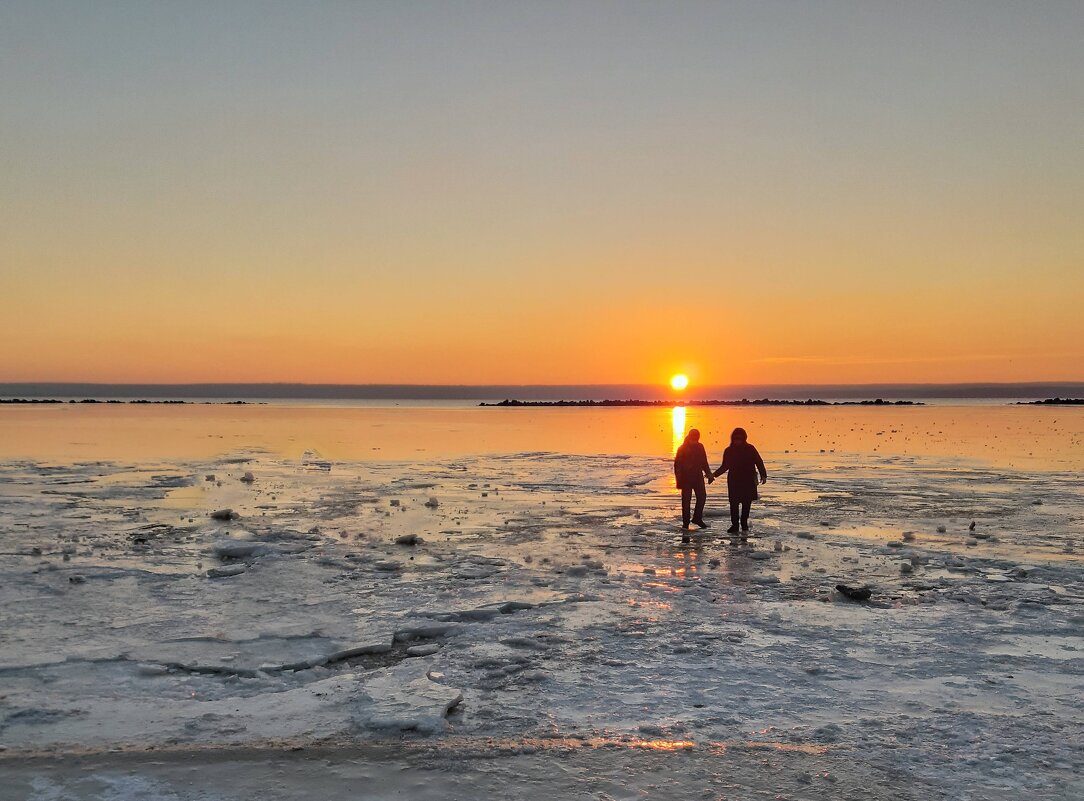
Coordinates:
(51, 382)
(1035, 390)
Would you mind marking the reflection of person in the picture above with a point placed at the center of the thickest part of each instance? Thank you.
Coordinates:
(690, 469)
(741, 463)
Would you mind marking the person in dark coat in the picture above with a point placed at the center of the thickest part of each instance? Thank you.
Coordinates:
(741, 463)
(691, 468)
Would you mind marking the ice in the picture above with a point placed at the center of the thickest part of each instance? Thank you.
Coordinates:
(238, 549)
(564, 610)
(226, 572)
(404, 698)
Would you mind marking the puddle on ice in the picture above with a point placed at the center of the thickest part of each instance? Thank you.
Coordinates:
(188, 498)
(1037, 645)
(796, 495)
(660, 745)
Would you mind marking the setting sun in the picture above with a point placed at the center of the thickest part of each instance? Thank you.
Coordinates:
(679, 382)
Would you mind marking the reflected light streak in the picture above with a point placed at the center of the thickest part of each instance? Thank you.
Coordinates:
(565, 744)
(677, 417)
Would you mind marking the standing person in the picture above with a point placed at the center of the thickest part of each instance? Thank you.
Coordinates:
(741, 462)
(691, 468)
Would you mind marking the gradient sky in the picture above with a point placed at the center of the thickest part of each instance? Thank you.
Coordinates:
(542, 192)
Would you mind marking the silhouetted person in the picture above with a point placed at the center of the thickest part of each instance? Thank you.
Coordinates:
(690, 469)
(741, 463)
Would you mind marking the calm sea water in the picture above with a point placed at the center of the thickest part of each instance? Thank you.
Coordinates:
(1017, 437)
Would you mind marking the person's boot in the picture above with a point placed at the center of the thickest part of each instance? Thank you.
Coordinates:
(733, 529)
(701, 524)
(745, 525)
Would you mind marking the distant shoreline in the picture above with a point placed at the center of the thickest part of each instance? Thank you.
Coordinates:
(743, 402)
(1053, 402)
(513, 403)
(114, 401)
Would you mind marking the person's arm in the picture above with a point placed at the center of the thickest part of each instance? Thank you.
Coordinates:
(704, 466)
(724, 466)
(760, 466)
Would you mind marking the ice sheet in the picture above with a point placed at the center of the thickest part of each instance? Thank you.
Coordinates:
(558, 605)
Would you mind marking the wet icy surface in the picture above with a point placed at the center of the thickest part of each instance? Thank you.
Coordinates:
(549, 605)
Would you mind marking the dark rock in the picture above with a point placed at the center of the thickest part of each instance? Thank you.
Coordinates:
(854, 593)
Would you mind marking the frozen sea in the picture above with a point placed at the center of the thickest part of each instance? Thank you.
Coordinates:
(547, 634)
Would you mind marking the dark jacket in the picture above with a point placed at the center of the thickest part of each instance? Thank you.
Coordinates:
(691, 465)
(741, 463)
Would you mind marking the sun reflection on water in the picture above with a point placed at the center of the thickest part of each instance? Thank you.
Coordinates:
(677, 417)
(556, 742)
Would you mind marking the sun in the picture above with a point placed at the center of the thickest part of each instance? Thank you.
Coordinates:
(679, 381)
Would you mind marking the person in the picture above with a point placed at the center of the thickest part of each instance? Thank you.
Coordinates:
(691, 468)
(741, 463)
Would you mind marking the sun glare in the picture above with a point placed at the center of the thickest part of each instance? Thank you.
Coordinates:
(679, 382)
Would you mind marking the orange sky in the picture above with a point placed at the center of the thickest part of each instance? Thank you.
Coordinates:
(372, 195)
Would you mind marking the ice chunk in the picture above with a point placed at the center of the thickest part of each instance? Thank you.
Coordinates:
(227, 571)
(312, 460)
(238, 549)
(403, 698)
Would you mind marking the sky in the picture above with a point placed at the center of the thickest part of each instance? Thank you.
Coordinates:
(544, 192)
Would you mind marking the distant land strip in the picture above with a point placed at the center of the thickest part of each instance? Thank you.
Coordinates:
(742, 402)
(545, 392)
(1053, 402)
(146, 402)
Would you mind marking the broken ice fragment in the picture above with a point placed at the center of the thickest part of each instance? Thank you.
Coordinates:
(225, 572)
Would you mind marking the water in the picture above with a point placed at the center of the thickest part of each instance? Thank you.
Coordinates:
(1014, 437)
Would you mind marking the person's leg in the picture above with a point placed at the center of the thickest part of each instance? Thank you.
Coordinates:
(745, 515)
(686, 499)
(733, 517)
(701, 499)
